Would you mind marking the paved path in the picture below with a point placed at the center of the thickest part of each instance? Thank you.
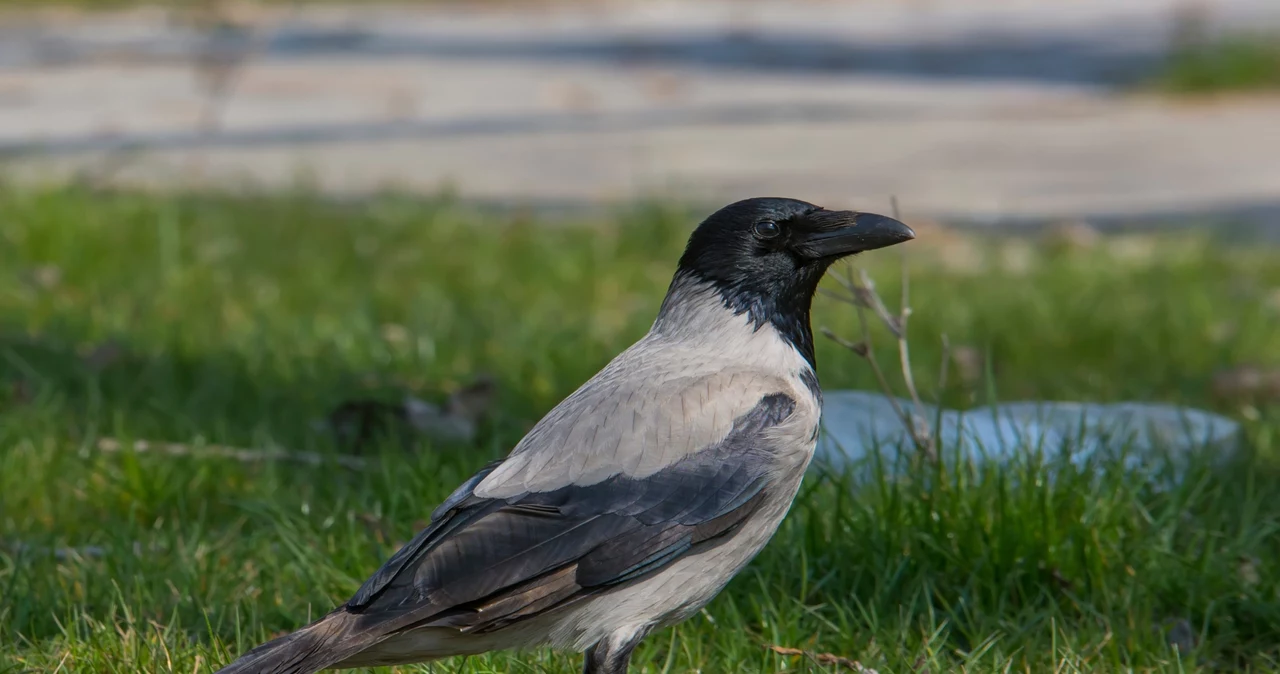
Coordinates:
(980, 110)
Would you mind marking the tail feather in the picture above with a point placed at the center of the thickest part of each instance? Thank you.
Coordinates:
(317, 646)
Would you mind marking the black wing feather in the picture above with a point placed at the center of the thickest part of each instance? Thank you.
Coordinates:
(484, 563)
(441, 519)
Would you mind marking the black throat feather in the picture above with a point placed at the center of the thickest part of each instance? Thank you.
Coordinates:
(764, 277)
(785, 307)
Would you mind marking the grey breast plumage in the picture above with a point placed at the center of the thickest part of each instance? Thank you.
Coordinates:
(666, 449)
(669, 448)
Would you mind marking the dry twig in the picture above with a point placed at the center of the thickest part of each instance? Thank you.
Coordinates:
(863, 296)
(112, 445)
(825, 659)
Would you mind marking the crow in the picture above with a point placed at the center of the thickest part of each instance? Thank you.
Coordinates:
(634, 501)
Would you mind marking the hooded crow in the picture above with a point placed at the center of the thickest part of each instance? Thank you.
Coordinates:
(636, 499)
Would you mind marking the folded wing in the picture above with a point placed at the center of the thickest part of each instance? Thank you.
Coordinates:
(485, 563)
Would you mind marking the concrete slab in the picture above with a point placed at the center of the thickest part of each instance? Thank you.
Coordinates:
(978, 110)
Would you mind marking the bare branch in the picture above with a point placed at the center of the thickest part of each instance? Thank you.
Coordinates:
(904, 358)
(868, 291)
(859, 348)
(863, 296)
(863, 349)
(847, 299)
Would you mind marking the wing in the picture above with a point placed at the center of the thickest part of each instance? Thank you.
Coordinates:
(636, 417)
(484, 563)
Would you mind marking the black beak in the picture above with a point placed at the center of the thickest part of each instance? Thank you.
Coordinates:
(841, 233)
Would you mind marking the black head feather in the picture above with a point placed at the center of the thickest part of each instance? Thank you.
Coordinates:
(765, 257)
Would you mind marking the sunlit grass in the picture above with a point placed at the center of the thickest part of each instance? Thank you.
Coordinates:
(1237, 63)
(241, 319)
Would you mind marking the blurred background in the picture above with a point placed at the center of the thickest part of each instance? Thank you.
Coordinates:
(275, 276)
(984, 111)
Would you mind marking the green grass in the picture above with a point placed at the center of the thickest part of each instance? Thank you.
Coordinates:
(1239, 63)
(242, 318)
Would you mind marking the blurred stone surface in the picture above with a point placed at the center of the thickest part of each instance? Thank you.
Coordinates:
(983, 111)
(860, 427)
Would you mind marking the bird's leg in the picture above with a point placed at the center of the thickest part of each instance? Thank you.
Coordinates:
(612, 655)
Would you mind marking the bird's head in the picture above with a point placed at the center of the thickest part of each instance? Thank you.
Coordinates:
(765, 256)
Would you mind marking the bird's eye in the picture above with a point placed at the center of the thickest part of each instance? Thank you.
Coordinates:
(767, 229)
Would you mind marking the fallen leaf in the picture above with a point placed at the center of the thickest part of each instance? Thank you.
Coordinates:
(829, 659)
(1246, 382)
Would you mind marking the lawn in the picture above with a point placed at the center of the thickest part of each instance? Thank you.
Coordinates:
(239, 319)
(1237, 63)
